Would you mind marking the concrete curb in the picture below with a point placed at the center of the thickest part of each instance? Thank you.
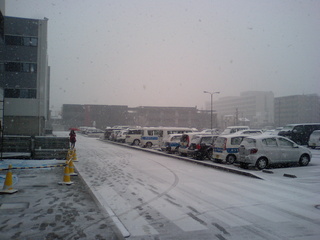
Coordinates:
(117, 226)
(207, 164)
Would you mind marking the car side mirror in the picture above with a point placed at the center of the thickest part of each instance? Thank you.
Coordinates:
(295, 145)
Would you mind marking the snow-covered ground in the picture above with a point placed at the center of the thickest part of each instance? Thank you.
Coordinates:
(157, 197)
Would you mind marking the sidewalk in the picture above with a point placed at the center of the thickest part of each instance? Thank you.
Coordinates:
(43, 209)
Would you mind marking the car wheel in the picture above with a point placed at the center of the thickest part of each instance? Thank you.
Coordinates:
(261, 163)
(136, 142)
(149, 144)
(304, 160)
(231, 159)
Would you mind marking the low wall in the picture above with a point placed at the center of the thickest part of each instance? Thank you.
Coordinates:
(39, 147)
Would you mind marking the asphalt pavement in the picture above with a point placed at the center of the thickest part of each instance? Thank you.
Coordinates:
(43, 209)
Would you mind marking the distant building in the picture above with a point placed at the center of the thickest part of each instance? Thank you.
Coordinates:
(252, 108)
(297, 109)
(102, 116)
(165, 116)
(24, 75)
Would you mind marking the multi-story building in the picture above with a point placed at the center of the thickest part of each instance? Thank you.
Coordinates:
(253, 108)
(24, 75)
(165, 116)
(297, 109)
(102, 116)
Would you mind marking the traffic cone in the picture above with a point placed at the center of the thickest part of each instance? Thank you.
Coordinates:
(71, 168)
(66, 177)
(69, 154)
(7, 187)
(74, 155)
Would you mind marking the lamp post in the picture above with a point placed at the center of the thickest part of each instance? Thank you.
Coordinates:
(211, 93)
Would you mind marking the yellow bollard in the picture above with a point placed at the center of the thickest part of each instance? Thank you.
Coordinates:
(7, 187)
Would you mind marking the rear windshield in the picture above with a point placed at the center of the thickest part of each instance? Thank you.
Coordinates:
(220, 141)
(236, 140)
(315, 134)
(206, 140)
(195, 139)
(249, 142)
(176, 139)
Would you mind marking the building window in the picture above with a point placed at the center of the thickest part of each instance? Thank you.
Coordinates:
(21, 41)
(20, 67)
(20, 93)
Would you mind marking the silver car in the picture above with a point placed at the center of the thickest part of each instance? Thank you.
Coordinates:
(263, 150)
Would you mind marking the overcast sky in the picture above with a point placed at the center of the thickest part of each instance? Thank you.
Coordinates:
(166, 53)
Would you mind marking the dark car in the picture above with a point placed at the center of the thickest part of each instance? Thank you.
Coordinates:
(201, 146)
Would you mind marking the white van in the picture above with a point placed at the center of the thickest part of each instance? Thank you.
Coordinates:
(314, 139)
(233, 129)
(226, 148)
(153, 136)
(134, 136)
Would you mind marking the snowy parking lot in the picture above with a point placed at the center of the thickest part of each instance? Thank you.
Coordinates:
(153, 196)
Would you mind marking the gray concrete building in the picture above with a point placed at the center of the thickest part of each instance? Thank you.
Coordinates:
(297, 109)
(251, 108)
(24, 75)
(102, 116)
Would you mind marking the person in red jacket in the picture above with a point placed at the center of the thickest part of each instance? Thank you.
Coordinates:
(73, 140)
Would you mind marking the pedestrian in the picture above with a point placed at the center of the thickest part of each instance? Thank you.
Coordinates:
(73, 140)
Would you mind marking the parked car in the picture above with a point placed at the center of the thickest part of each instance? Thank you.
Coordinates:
(299, 133)
(153, 136)
(121, 135)
(110, 132)
(201, 146)
(171, 143)
(233, 129)
(249, 132)
(185, 143)
(210, 131)
(226, 148)
(94, 132)
(273, 131)
(262, 151)
(134, 136)
(314, 139)
(113, 135)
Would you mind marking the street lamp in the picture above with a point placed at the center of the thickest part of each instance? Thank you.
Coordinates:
(211, 93)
